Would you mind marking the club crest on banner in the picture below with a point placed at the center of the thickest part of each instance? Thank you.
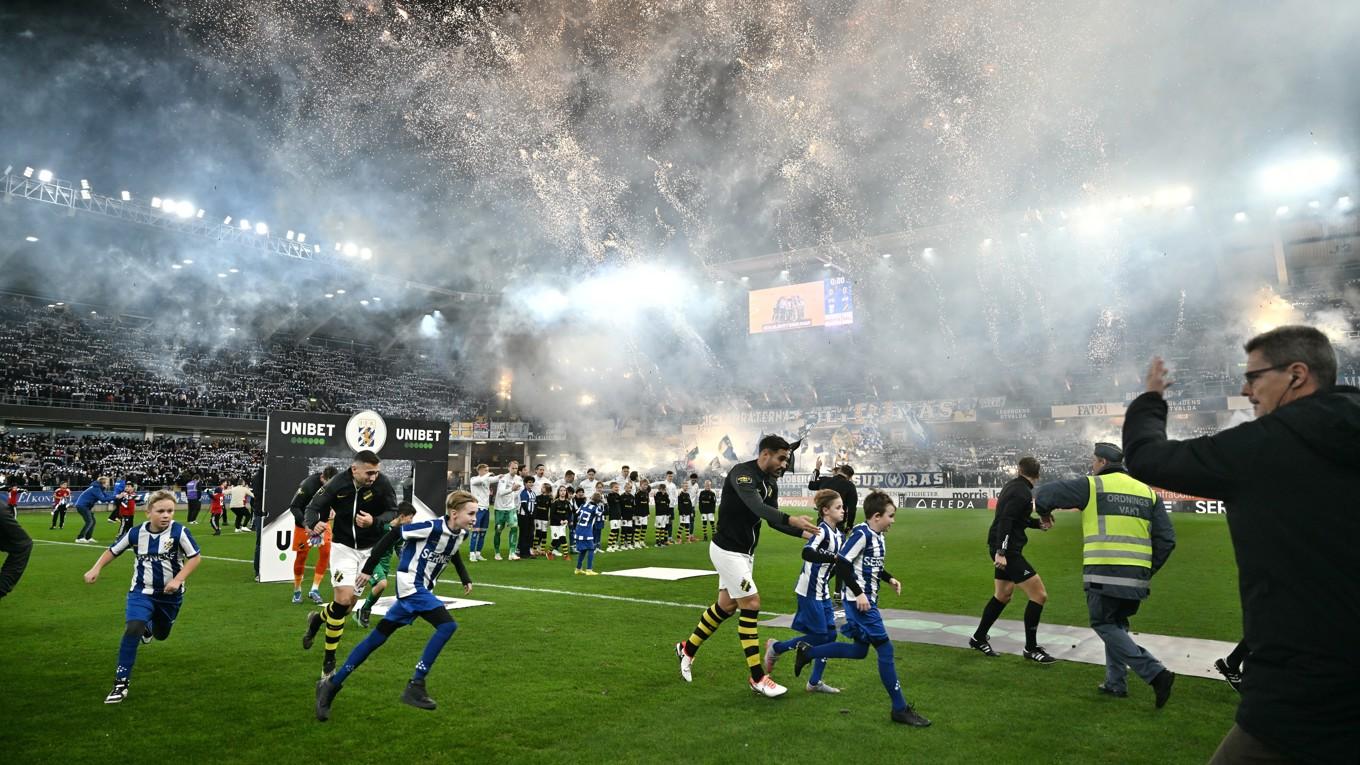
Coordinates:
(366, 430)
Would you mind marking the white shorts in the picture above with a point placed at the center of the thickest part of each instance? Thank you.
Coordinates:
(540, 525)
(627, 523)
(663, 522)
(734, 571)
(559, 531)
(615, 523)
(346, 565)
(686, 520)
(707, 516)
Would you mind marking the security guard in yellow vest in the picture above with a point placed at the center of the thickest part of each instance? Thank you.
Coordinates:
(1127, 536)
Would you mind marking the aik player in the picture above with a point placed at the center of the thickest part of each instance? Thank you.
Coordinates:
(750, 495)
(359, 503)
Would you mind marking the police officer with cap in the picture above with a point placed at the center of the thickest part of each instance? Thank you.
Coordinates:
(1127, 537)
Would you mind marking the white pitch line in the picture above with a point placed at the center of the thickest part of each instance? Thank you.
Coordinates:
(520, 588)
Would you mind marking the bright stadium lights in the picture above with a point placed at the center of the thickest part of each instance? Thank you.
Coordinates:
(377, 299)
(1240, 217)
(928, 253)
(887, 255)
(338, 246)
(221, 275)
(363, 302)
(127, 196)
(226, 221)
(339, 292)
(176, 266)
(30, 238)
(719, 282)
(587, 399)
(1281, 211)
(85, 194)
(987, 242)
(329, 296)
(261, 229)
(200, 213)
(365, 254)
(1300, 175)
(233, 270)
(45, 176)
(184, 209)
(351, 249)
(784, 274)
(301, 237)
(289, 236)
(28, 172)
(1344, 203)
(317, 249)
(156, 202)
(188, 261)
(245, 225)
(745, 279)
(84, 184)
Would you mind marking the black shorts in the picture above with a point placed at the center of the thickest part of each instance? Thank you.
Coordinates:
(1017, 569)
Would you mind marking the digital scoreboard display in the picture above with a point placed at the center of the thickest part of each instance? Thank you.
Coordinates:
(825, 303)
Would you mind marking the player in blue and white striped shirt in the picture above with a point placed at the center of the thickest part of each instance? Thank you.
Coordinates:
(864, 550)
(166, 555)
(428, 547)
(816, 618)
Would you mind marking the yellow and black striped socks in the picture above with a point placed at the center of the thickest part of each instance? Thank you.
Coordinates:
(750, 641)
(334, 614)
(708, 624)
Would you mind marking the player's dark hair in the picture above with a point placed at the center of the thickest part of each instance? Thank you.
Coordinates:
(528, 480)
(1029, 467)
(877, 503)
(847, 471)
(367, 457)
(570, 472)
(773, 443)
(405, 508)
(539, 465)
(1298, 343)
(589, 471)
(328, 472)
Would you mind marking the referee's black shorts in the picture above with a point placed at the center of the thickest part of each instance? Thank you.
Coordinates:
(1017, 569)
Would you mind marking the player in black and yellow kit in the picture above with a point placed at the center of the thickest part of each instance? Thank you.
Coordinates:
(750, 495)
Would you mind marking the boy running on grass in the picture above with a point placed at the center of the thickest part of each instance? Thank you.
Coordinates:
(429, 545)
(166, 555)
(406, 513)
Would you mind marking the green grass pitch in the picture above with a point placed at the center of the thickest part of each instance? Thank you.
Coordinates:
(558, 672)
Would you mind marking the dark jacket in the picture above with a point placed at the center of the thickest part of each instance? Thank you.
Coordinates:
(303, 497)
(844, 487)
(1288, 481)
(1014, 506)
(340, 495)
(748, 497)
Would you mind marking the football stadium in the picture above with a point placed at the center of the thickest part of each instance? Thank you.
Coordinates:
(666, 381)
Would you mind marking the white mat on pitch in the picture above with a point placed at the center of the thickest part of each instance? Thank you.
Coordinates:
(660, 572)
(452, 604)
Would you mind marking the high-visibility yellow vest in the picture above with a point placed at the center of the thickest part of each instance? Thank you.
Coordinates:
(1116, 530)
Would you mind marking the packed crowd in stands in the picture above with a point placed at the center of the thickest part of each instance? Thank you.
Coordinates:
(73, 358)
(36, 461)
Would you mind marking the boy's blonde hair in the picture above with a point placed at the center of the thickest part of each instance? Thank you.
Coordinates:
(161, 495)
(457, 499)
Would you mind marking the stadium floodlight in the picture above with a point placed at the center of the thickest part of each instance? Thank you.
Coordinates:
(745, 279)
(226, 221)
(221, 275)
(1344, 203)
(233, 270)
(289, 236)
(28, 172)
(200, 213)
(365, 254)
(987, 242)
(301, 237)
(185, 209)
(45, 176)
(317, 249)
(176, 266)
(261, 229)
(719, 282)
(351, 249)
(338, 246)
(928, 253)
(84, 184)
(329, 295)
(1281, 211)
(587, 399)
(188, 261)
(363, 302)
(887, 255)
(377, 299)
(1300, 175)
(127, 196)
(156, 202)
(784, 274)
(85, 194)
(30, 238)
(245, 225)
(1240, 217)
(339, 292)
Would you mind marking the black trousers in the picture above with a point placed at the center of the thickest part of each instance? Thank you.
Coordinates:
(17, 545)
(526, 535)
(195, 505)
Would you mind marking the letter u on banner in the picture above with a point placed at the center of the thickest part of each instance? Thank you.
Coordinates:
(283, 539)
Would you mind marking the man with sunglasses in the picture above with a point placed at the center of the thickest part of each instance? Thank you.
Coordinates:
(1288, 480)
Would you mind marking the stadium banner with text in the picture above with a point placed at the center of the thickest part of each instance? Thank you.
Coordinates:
(1176, 502)
(914, 501)
(414, 456)
(825, 303)
(43, 499)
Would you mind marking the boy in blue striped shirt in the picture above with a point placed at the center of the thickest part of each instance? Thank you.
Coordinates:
(427, 547)
(166, 555)
(816, 617)
(865, 549)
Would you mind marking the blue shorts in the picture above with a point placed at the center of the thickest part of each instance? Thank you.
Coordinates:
(814, 617)
(480, 520)
(407, 609)
(864, 627)
(585, 544)
(153, 609)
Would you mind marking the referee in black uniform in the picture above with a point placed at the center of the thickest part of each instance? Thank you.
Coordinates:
(1006, 542)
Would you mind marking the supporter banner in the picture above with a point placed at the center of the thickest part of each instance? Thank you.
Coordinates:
(935, 410)
(1107, 409)
(415, 457)
(1005, 414)
(796, 483)
(29, 499)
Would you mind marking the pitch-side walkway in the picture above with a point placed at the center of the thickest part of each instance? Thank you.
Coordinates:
(1184, 656)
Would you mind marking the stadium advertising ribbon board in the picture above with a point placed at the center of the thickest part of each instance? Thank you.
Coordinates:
(414, 454)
